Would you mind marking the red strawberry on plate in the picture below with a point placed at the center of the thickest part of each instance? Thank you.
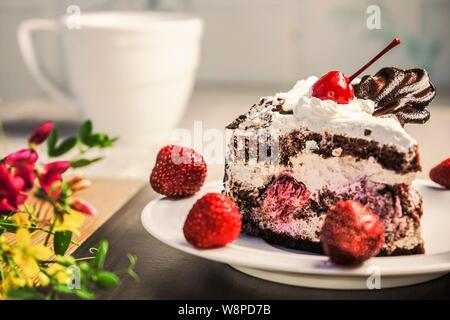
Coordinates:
(351, 233)
(213, 221)
(178, 172)
(441, 173)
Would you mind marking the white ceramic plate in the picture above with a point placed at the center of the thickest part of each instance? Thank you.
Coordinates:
(164, 219)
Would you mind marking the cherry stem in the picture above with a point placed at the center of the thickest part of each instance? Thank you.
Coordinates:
(391, 45)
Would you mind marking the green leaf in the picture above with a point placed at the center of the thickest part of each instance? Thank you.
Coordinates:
(85, 132)
(102, 140)
(79, 163)
(61, 241)
(65, 146)
(100, 256)
(94, 140)
(10, 228)
(8, 225)
(25, 294)
(84, 294)
(51, 142)
(107, 280)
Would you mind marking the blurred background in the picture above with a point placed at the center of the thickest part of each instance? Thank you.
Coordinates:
(248, 48)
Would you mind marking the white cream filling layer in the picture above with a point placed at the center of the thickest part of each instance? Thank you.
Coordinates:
(304, 228)
(337, 172)
(317, 173)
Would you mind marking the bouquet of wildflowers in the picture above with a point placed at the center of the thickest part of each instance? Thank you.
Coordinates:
(30, 270)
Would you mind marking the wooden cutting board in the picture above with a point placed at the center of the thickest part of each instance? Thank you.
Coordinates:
(107, 195)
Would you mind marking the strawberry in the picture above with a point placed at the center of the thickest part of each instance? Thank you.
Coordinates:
(213, 221)
(441, 173)
(351, 233)
(178, 172)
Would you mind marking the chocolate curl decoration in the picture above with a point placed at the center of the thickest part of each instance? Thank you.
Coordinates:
(403, 93)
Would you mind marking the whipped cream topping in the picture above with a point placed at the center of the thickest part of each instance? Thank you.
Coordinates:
(354, 119)
(300, 89)
(315, 108)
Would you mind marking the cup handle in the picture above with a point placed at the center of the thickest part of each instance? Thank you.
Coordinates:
(27, 49)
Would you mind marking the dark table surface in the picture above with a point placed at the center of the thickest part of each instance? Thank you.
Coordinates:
(166, 273)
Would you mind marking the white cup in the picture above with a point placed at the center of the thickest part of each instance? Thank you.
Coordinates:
(132, 73)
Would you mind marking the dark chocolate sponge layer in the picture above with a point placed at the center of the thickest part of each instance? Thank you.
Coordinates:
(259, 148)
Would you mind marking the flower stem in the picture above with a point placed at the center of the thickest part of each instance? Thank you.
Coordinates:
(10, 224)
(47, 238)
(85, 258)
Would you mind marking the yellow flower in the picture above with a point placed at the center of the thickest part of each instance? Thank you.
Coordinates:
(12, 281)
(4, 245)
(21, 219)
(25, 254)
(43, 279)
(71, 221)
(59, 272)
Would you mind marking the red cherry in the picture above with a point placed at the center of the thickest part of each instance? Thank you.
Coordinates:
(333, 86)
(337, 86)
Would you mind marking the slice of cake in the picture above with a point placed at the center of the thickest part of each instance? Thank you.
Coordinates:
(294, 155)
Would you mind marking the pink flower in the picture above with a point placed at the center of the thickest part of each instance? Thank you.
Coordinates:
(52, 173)
(21, 157)
(22, 164)
(11, 187)
(83, 207)
(41, 133)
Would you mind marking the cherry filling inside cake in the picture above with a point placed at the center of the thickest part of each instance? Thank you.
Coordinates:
(292, 156)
